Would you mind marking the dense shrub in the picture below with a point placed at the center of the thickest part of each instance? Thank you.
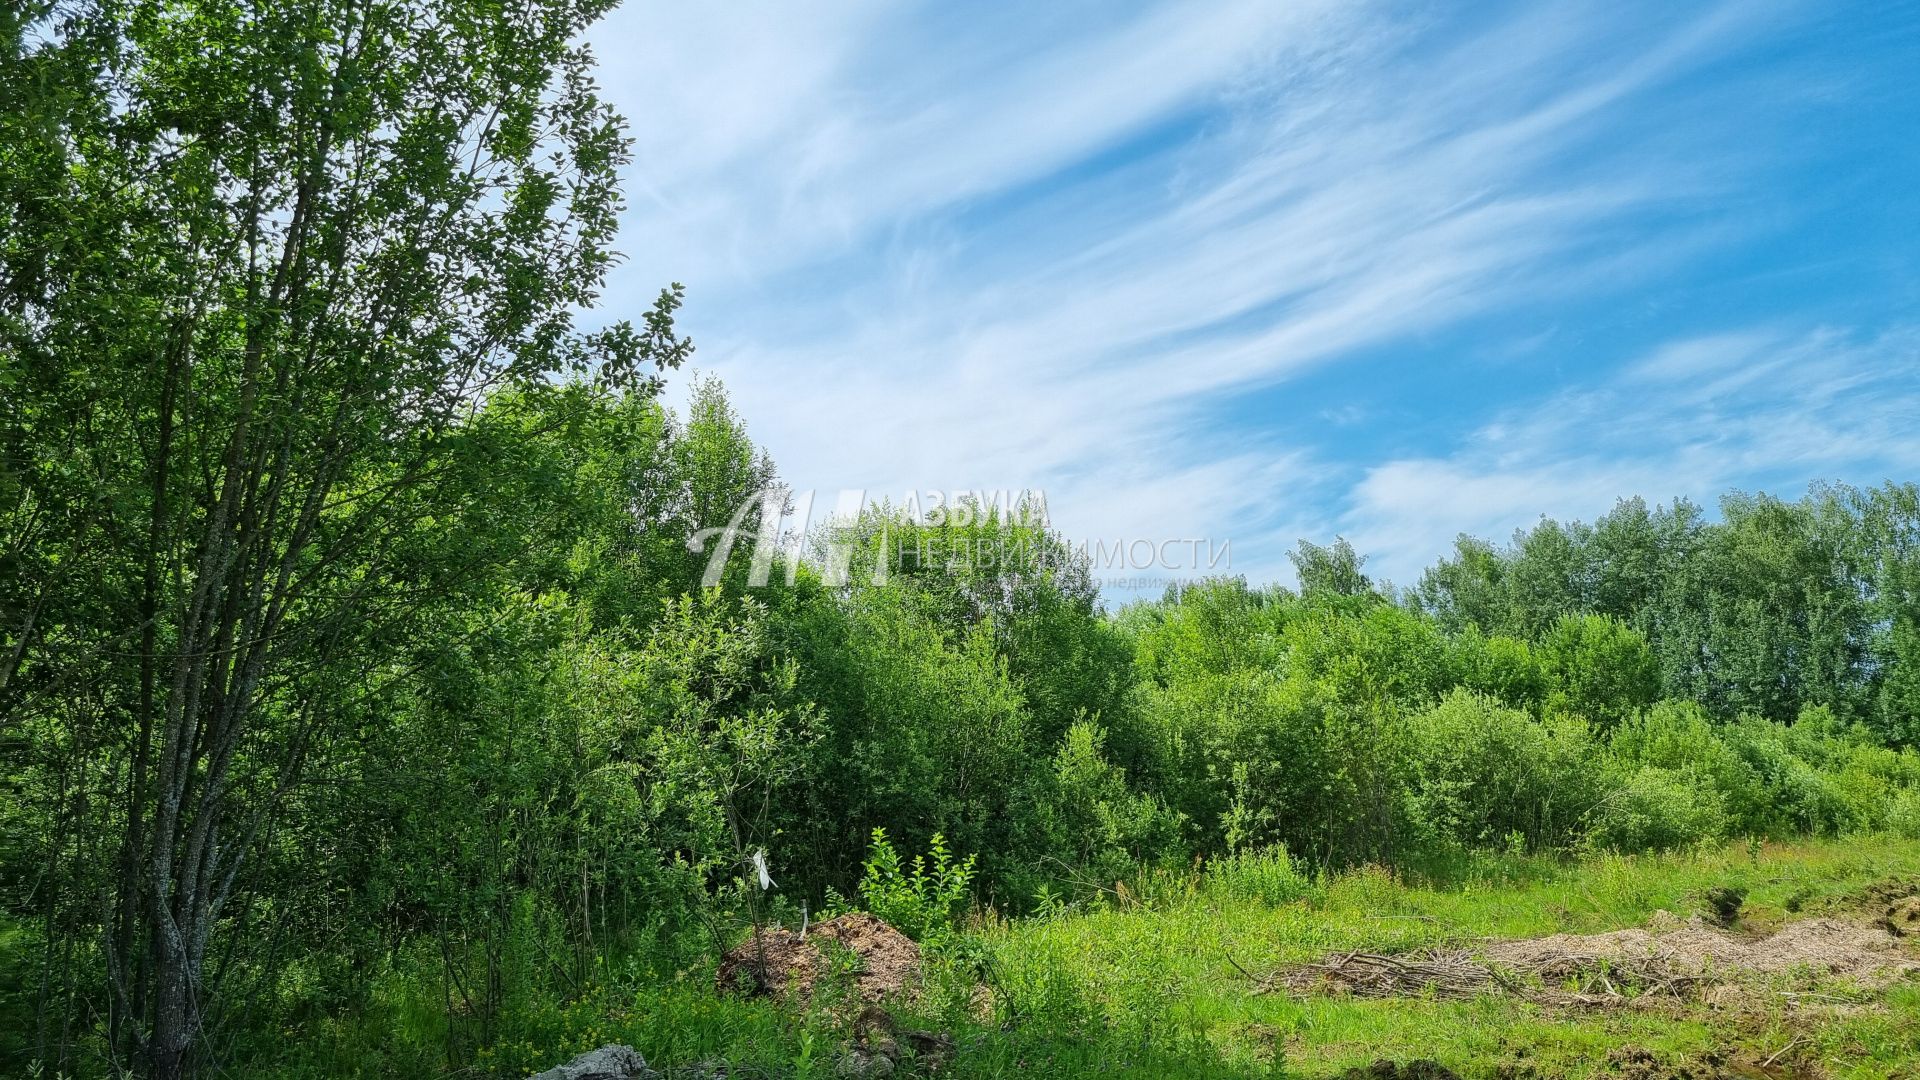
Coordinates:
(1679, 737)
(1095, 820)
(1598, 668)
(1482, 774)
(1503, 668)
(1654, 808)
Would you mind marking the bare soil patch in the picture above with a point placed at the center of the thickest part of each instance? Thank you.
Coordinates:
(879, 961)
(1639, 1063)
(1862, 951)
(1883, 892)
(1677, 960)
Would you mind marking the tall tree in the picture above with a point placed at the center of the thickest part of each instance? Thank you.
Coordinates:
(1469, 589)
(259, 260)
(1333, 570)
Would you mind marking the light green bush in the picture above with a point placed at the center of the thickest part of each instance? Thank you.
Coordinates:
(1656, 809)
(1263, 875)
(1902, 814)
(920, 901)
(1598, 668)
(1481, 773)
(1094, 820)
(1679, 736)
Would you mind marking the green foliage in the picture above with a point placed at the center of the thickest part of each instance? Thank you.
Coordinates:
(1503, 668)
(1598, 668)
(1656, 809)
(356, 630)
(1779, 606)
(1262, 875)
(1330, 571)
(1094, 820)
(1903, 814)
(921, 900)
(1482, 773)
(362, 683)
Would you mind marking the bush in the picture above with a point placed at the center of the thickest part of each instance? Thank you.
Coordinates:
(1500, 667)
(1598, 668)
(1094, 819)
(1656, 809)
(1801, 773)
(1678, 736)
(1482, 773)
(1903, 814)
(1264, 875)
(920, 902)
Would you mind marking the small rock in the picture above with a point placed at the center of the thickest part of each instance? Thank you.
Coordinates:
(606, 1063)
(858, 1064)
(933, 1049)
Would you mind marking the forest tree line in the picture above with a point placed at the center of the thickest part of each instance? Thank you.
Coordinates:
(350, 631)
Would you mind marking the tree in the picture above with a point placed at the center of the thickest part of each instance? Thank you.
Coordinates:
(1470, 589)
(1546, 577)
(260, 262)
(1598, 668)
(1890, 521)
(1332, 570)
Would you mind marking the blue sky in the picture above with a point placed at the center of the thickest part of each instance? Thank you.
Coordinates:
(1265, 271)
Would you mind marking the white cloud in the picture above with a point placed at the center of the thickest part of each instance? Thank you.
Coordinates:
(772, 134)
(1334, 180)
(1751, 407)
(1694, 358)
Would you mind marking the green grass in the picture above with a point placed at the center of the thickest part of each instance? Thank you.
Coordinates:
(1150, 984)
(1175, 958)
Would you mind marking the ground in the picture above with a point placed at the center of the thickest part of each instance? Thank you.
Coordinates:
(1206, 985)
(1598, 968)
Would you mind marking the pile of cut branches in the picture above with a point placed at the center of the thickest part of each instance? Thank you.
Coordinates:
(1364, 974)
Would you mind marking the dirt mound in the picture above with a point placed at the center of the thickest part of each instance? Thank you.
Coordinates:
(1883, 892)
(1902, 917)
(879, 961)
(1694, 950)
(1421, 1069)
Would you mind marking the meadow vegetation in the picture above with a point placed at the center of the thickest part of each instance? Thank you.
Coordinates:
(364, 709)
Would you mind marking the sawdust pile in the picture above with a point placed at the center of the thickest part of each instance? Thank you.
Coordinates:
(1675, 960)
(880, 962)
(1822, 946)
